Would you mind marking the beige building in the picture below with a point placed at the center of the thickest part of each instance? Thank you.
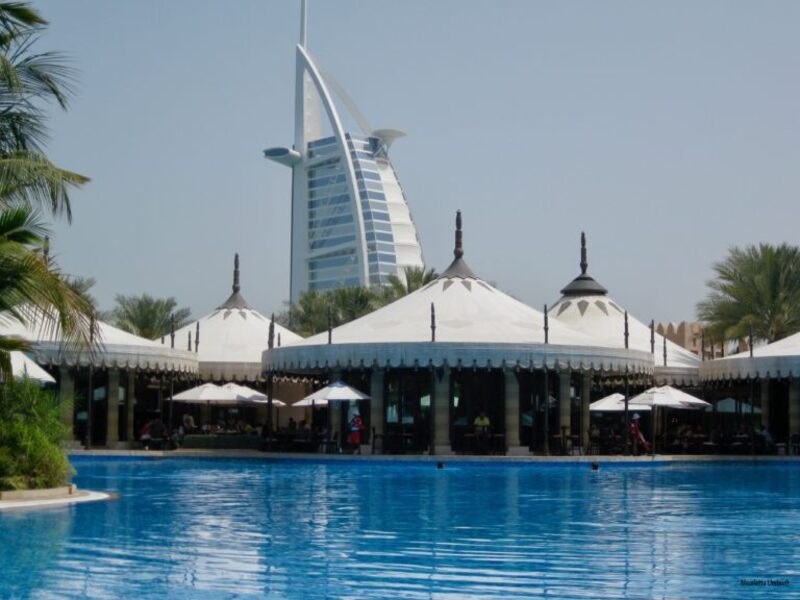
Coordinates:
(689, 335)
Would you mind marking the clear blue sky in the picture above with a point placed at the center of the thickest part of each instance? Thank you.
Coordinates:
(667, 131)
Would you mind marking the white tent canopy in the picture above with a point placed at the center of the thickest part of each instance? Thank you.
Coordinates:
(232, 338)
(457, 319)
(25, 368)
(207, 393)
(115, 348)
(668, 397)
(778, 359)
(616, 403)
(335, 392)
(586, 307)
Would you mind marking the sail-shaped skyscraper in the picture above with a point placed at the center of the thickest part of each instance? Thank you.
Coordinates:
(351, 225)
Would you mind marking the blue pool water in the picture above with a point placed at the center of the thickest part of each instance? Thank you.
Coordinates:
(196, 528)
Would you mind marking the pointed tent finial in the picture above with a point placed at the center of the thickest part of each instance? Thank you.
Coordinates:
(703, 346)
(172, 331)
(626, 329)
(271, 337)
(458, 252)
(236, 286)
(546, 326)
(750, 340)
(279, 339)
(584, 263)
(330, 324)
(665, 350)
(433, 322)
(189, 346)
(196, 336)
(46, 250)
(652, 336)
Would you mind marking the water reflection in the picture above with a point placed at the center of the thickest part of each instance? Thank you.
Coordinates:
(297, 529)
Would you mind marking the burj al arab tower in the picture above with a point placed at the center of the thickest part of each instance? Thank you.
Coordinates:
(351, 225)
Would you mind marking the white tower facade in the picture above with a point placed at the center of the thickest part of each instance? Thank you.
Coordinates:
(351, 225)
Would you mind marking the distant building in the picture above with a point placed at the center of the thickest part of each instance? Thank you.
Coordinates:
(351, 225)
(689, 334)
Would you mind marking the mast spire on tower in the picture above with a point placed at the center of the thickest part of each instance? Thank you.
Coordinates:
(303, 22)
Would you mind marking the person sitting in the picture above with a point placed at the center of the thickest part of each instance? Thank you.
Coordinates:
(769, 443)
(145, 436)
(188, 423)
(354, 439)
(482, 425)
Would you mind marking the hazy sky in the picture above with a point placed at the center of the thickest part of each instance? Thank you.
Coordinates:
(668, 131)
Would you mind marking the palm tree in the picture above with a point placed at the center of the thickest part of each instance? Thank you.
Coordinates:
(148, 317)
(414, 278)
(82, 286)
(758, 287)
(31, 291)
(27, 81)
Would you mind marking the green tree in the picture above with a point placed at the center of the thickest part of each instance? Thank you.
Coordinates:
(28, 81)
(310, 314)
(415, 278)
(756, 286)
(148, 317)
(30, 436)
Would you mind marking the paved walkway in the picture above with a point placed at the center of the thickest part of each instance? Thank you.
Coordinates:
(253, 454)
(81, 496)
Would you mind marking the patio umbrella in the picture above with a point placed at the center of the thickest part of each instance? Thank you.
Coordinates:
(207, 393)
(616, 403)
(335, 392)
(248, 395)
(22, 366)
(669, 397)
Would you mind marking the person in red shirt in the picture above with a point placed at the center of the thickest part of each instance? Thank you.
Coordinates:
(356, 426)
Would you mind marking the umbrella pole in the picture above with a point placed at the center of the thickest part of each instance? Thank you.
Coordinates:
(625, 433)
(546, 413)
(654, 421)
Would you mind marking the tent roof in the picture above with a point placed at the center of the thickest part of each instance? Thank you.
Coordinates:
(232, 338)
(115, 348)
(778, 359)
(590, 310)
(468, 311)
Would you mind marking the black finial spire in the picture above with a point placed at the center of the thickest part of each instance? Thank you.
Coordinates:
(584, 284)
(626, 330)
(271, 338)
(546, 326)
(172, 331)
(279, 339)
(236, 286)
(46, 250)
(196, 336)
(665, 351)
(330, 324)
(458, 251)
(750, 340)
(189, 347)
(584, 263)
(652, 336)
(433, 322)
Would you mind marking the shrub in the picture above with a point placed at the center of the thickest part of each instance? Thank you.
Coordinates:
(31, 433)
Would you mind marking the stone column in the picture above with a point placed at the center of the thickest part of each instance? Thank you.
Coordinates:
(66, 396)
(564, 404)
(764, 403)
(794, 406)
(376, 408)
(112, 420)
(130, 404)
(441, 411)
(586, 400)
(512, 414)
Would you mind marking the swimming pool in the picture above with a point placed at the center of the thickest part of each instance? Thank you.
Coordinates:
(217, 528)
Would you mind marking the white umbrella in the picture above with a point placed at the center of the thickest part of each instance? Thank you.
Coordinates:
(248, 395)
(669, 397)
(22, 366)
(335, 392)
(616, 403)
(207, 393)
